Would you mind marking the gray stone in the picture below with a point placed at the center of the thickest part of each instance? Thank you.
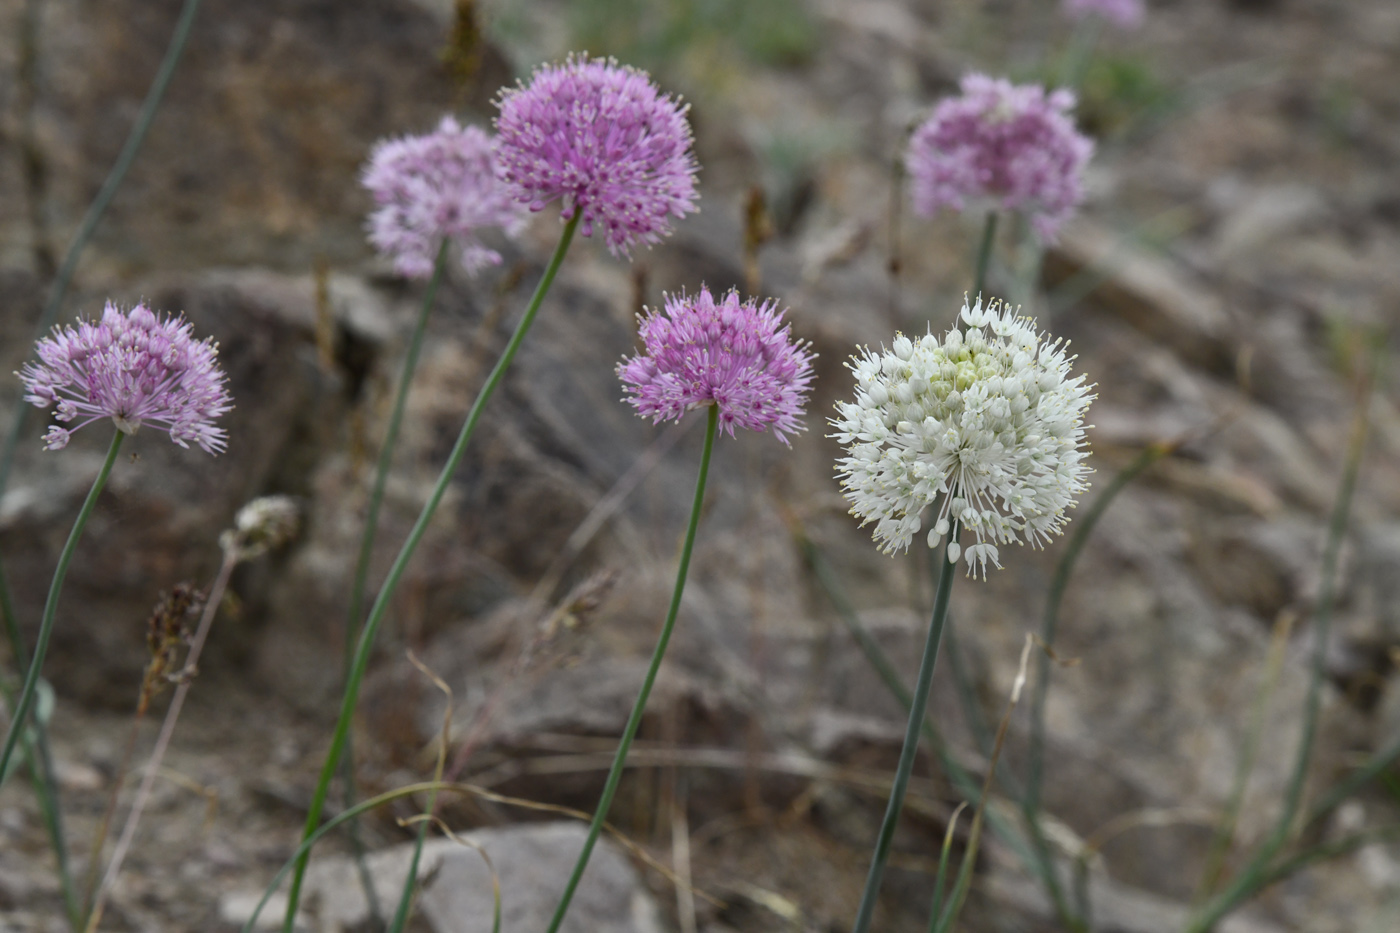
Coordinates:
(533, 863)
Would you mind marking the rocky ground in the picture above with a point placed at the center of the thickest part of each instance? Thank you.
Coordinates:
(1240, 243)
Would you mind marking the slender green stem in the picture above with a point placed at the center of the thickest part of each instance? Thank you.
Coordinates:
(984, 254)
(41, 648)
(98, 207)
(1256, 874)
(1225, 830)
(1353, 782)
(1081, 51)
(386, 592)
(1084, 527)
(1328, 850)
(907, 754)
(360, 580)
(635, 719)
(41, 771)
(40, 761)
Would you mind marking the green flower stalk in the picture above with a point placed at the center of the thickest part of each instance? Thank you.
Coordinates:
(739, 362)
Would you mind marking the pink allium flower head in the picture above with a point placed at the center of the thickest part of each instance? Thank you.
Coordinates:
(602, 138)
(1125, 14)
(134, 368)
(439, 186)
(737, 356)
(1012, 145)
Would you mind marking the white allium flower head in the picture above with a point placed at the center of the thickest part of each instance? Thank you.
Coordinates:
(986, 421)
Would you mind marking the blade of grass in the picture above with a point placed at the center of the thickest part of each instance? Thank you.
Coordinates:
(1081, 51)
(964, 882)
(940, 880)
(1325, 851)
(1225, 831)
(1255, 874)
(410, 883)
(35, 749)
(1374, 767)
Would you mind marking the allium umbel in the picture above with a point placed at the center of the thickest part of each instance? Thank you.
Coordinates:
(436, 187)
(604, 140)
(986, 420)
(133, 367)
(1012, 146)
(737, 356)
(1125, 14)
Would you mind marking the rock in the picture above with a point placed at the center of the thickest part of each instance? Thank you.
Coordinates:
(1121, 908)
(532, 863)
(1146, 291)
(265, 189)
(1268, 214)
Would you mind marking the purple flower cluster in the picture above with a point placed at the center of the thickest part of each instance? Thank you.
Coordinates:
(602, 138)
(1012, 145)
(436, 187)
(737, 356)
(1125, 14)
(134, 368)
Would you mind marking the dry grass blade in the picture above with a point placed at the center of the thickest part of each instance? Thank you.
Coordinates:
(470, 844)
(167, 731)
(943, 858)
(470, 790)
(941, 924)
(410, 884)
(680, 858)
